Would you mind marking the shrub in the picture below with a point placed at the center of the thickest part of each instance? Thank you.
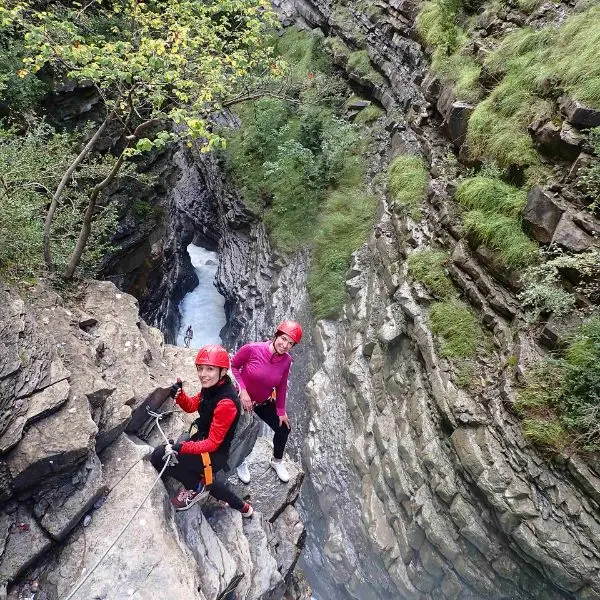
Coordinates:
(304, 167)
(566, 391)
(543, 289)
(31, 166)
(293, 179)
(545, 432)
(429, 267)
(368, 115)
(460, 331)
(407, 183)
(493, 218)
(533, 67)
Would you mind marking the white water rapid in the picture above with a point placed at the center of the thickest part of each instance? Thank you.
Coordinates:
(203, 308)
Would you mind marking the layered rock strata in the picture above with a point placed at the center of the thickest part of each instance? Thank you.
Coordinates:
(438, 479)
(76, 378)
(427, 490)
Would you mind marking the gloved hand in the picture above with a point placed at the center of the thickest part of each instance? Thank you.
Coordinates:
(175, 388)
(170, 454)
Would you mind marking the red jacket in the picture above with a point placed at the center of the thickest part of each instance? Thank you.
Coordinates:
(223, 417)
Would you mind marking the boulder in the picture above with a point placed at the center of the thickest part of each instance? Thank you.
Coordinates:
(578, 114)
(571, 237)
(554, 140)
(541, 215)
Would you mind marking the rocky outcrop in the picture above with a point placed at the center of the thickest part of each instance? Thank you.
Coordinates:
(425, 489)
(77, 377)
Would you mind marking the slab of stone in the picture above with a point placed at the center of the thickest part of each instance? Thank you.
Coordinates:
(115, 415)
(217, 567)
(34, 408)
(149, 561)
(53, 445)
(267, 582)
(578, 114)
(228, 526)
(268, 494)
(288, 535)
(26, 542)
(61, 508)
(571, 237)
(541, 215)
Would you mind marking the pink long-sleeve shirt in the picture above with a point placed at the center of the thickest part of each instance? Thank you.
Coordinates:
(257, 370)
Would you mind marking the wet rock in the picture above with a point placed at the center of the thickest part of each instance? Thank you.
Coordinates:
(541, 215)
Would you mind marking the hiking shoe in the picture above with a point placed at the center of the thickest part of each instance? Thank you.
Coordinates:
(243, 472)
(187, 498)
(280, 469)
(247, 510)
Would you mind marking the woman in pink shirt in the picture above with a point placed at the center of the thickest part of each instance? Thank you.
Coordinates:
(261, 370)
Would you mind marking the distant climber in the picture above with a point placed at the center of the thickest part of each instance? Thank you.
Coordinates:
(189, 334)
(205, 454)
(261, 370)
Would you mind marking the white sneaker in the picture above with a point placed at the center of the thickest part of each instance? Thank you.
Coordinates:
(280, 469)
(243, 472)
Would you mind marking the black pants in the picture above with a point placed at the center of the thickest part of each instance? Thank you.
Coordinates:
(189, 470)
(266, 411)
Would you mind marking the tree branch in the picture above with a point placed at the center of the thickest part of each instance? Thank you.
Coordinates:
(63, 183)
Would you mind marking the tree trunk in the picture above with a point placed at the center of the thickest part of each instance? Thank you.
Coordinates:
(63, 183)
(86, 227)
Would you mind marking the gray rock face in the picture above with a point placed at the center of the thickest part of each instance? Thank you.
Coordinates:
(541, 215)
(571, 237)
(426, 490)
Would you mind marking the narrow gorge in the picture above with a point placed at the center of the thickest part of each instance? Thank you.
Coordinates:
(425, 465)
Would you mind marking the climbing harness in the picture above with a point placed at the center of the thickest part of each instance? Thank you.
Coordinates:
(169, 456)
(208, 472)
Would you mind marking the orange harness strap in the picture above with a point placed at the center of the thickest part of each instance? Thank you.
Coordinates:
(208, 473)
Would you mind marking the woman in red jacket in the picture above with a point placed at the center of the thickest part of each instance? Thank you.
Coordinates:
(207, 450)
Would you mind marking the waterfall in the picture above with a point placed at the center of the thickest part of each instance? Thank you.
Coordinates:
(203, 308)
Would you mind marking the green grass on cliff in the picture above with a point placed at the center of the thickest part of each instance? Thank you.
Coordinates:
(348, 216)
(560, 401)
(493, 217)
(429, 267)
(456, 325)
(525, 73)
(407, 180)
(360, 63)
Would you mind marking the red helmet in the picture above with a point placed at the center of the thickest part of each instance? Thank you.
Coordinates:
(213, 355)
(291, 328)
